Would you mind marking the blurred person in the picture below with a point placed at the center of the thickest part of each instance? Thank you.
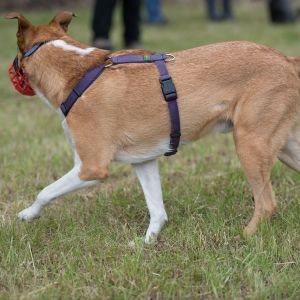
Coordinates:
(102, 21)
(281, 11)
(214, 13)
(155, 16)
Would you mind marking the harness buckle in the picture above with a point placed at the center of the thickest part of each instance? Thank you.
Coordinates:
(168, 89)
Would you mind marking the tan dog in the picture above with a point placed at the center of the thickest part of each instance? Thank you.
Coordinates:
(240, 86)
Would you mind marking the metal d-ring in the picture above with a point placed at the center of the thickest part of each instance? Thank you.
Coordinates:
(170, 57)
(108, 61)
(109, 64)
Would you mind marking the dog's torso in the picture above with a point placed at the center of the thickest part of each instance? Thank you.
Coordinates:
(123, 115)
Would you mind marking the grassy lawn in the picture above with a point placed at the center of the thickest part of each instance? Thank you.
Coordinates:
(79, 249)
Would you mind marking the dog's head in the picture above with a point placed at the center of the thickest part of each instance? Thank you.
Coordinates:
(29, 38)
(29, 35)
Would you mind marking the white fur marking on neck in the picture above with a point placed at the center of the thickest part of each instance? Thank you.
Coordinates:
(42, 96)
(62, 44)
(46, 100)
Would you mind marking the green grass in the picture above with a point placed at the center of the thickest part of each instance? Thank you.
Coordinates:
(79, 248)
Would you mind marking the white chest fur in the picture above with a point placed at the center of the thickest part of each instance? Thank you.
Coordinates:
(150, 154)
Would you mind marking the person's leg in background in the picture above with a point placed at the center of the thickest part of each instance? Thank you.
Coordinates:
(152, 10)
(131, 18)
(154, 15)
(227, 10)
(281, 11)
(101, 23)
(212, 10)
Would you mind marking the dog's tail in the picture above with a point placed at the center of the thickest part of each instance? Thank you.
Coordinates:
(296, 63)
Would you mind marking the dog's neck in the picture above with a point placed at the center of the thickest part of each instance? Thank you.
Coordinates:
(58, 65)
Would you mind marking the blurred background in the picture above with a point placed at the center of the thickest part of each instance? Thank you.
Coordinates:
(169, 24)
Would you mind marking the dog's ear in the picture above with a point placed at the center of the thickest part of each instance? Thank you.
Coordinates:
(63, 19)
(24, 24)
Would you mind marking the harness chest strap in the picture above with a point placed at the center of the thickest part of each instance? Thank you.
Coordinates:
(82, 85)
(167, 86)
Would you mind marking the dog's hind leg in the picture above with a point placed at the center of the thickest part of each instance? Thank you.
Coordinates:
(69, 183)
(257, 165)
(148, 175)
(262, 126)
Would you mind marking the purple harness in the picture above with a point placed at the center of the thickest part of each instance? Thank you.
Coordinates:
(167, 86)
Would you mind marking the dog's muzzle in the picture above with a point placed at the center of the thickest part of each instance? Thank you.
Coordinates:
(19, 78)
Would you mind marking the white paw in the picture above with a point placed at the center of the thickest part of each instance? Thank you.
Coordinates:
(150, 239)
(154, 229)
(29, 213)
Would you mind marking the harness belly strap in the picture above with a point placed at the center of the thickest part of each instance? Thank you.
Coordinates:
(167, 86)
(170, 95)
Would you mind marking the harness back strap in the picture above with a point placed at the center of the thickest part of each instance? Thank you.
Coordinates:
(167, 86)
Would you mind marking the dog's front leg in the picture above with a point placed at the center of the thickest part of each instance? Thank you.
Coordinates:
(65, 185)
(148, 175)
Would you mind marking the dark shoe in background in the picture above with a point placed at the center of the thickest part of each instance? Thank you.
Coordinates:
(133, 45)
(163, 21)
(281, 11)
(102, 43)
